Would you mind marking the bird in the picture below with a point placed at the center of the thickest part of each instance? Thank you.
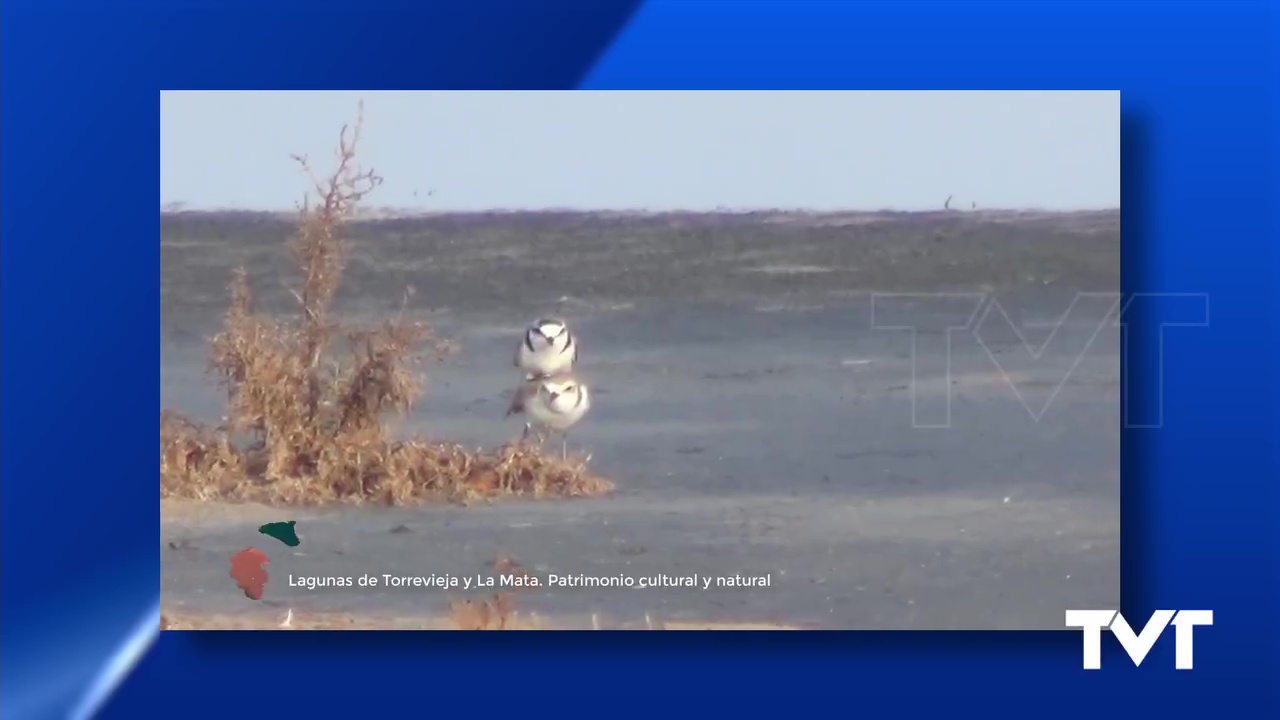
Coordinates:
(548, 348)
(555, 403)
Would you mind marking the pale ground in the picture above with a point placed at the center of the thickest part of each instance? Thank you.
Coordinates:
(268, 619)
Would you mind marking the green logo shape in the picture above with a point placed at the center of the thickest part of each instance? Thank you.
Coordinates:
(282, 531)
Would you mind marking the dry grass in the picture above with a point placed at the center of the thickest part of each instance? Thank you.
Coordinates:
(492, 613)
(306, 421)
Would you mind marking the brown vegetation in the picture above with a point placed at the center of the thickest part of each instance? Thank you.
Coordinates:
(491, 613)
(305, 422)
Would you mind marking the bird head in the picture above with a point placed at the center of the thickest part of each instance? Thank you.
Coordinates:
(552, 332)
(561, 392)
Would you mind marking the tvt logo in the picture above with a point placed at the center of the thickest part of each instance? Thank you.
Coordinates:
(1093, 621)
(1036, 372)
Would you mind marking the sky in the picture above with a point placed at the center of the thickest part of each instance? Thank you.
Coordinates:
(840, 150)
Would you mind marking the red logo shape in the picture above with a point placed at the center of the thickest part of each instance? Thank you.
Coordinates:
(247, 569)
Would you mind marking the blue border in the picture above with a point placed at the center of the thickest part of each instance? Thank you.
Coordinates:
(78, 312)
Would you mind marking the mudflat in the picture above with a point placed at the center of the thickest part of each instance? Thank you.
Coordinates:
(759, 414)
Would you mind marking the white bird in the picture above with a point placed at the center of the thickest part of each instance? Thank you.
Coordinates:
(553, 403)
(548, 348)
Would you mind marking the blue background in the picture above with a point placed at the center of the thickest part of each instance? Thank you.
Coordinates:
(79, 355)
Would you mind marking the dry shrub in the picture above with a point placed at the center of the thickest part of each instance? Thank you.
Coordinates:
(312, 417)
(491, 613)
